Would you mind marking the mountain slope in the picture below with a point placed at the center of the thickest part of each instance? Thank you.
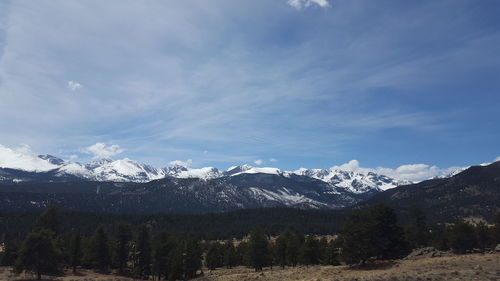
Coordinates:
(474, 192)
(174, 195)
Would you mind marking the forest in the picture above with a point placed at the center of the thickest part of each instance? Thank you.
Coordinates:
(146, 252)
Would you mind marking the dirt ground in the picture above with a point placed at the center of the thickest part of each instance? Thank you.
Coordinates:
(484, 267)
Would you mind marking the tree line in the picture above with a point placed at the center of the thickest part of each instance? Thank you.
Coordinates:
(367, 235)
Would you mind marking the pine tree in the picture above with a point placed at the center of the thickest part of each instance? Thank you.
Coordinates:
(38, 254)
(214, 256)
(281, 249)
(49, 219)
(294, 243)
(164, 247)
(331, 253)
(191, 258)
(372, 233)
(484, 236)
(229, 254)
(99, 250)
(142, 267)
(9, 255)
(416, 232)
(258, 251)
(122, 247)
(76, 251)
(323, 251)
(390, 242)
(462, 237)
(177, 264)
(496, 230)
(309, 251)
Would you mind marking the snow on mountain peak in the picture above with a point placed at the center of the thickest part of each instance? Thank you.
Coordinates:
(23, 159)
(124, 170)
(205, 173)
(258, 170)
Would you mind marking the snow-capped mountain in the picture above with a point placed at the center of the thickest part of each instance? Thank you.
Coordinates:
(354, 182)
(127, 170)
(183, 172)
(241, 186)
(14, 159)
(122, 171)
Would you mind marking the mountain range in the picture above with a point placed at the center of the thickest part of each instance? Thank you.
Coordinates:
(31, 182)
(118, 185)
(18, 167)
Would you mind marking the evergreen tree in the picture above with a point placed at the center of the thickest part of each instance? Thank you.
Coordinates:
(38, 254)
(281, 249)
(9, 255)
(331, 253)
(294, 243)
(438, 238)
(99, 250)
(76, 251)
(49, 219)
(241, 254)
(163, 254)
(323, 251)
(372, 233)
(416, 233)
(177, 265)
(229, 254)
(258, 251)
(122, 247)
(390, 242)
(496, 229)
(142, 267)
(462, 237)
(357, 243)
(191, 258)
(484, 236)
(214, 256)
(309, 251)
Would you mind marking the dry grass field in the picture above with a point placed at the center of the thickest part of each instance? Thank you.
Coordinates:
(483, 267)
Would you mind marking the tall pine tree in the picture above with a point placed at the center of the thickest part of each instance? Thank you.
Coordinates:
(142, 268)
(38, 254)
(122, 246)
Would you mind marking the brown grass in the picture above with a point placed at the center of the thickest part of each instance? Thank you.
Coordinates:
(483, 267)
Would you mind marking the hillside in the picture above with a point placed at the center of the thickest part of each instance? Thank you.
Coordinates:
(474, 192)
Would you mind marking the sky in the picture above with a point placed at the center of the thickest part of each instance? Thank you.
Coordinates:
(284, 83)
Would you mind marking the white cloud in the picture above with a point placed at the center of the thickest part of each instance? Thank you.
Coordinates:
(299, 4)
(102, 150)
(352, 165)
(73, 86)
(497, 159)
(409, 172)
(258, 162)
(184, 164)
(274, 160)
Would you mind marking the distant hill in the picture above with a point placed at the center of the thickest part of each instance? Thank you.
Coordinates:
(474, 192)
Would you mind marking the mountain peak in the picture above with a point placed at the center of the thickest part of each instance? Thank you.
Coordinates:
(52, 159)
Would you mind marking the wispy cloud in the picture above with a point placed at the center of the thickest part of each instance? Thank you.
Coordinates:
(193, 77)
(258, 162)
(73, 86)
(299, 4)
(409, 172)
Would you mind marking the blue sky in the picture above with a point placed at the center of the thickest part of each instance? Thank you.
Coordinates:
(306, 83)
